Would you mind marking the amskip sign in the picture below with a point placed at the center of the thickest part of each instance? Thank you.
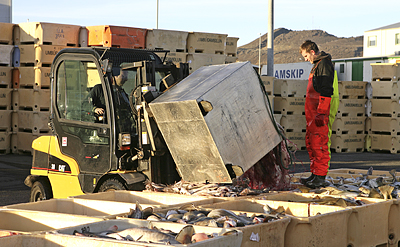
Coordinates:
(297, 71)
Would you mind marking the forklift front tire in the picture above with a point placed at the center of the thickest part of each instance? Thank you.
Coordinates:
(111, 184)
(41, 190)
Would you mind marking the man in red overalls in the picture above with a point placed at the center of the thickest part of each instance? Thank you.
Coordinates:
(322, 101)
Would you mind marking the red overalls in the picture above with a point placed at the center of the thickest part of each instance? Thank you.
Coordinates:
(318, 138)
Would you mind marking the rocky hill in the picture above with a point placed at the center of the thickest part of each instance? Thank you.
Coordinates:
(287, 43)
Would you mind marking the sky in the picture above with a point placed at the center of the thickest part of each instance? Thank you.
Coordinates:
(245, 19)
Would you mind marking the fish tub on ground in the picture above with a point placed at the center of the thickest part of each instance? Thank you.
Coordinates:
(256, 235)
(160, 199)
(23, 221)
(221, 237)
(310, 225)
(95, 208)
(368, 222)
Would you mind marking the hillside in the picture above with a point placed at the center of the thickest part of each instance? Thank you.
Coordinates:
(287, 43)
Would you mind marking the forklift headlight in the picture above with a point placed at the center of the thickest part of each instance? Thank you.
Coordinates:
(124, 139)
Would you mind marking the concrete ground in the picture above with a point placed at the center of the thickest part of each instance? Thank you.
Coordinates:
(15, 168)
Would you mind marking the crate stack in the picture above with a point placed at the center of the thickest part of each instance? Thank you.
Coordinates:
(348, 129)
(6, 49)
(38, 44)
(289, 102)
(383, 108)
(168, 40)
(231, 49)
(205, 49)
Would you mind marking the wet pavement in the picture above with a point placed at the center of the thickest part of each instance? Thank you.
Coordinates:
(15, 168)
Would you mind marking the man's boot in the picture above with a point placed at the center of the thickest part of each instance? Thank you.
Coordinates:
(305, 180)
(317, 182)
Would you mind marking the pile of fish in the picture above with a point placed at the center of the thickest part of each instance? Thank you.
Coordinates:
(151, 234)
(237, 188)
(359, 185)
(192, 215)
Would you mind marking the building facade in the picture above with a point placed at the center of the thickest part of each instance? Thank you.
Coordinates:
(383, 41)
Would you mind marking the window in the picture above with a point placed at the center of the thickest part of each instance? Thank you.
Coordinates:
(372, 41)
(76, 83)
(397, 39)
(341, 68)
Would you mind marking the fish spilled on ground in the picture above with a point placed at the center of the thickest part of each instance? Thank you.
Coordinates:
(359, 185)
(152, 234)
(192, 215)
(237, 188)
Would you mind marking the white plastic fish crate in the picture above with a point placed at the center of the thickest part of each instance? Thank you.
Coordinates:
(351, 108)
(6, 55)
(6, 33)
(349, 125)
(31, 122)
(231, 240)
(174, 41)
(385, 71)
(383, 126)
(5, 120)
(6, 77)
(197, 60)
(5, 142)
(348, 143)
(32, 221)
(296, 140)
(95, 208)
(231, 46)
(289, 105)
(352, 89)
(38, 55)
(34, 78)
(383, 108)
(42, 33)
(161, 199)
(5, 98)
(174, 57)
(31, 100)
(211, 43)
(385, 143)
(290, 88)
(311, 225)
(268, 82)
(293, 123)
(383, 90)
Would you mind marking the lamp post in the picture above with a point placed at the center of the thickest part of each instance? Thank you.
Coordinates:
(259, 55)
(157, 16)
(270, 45)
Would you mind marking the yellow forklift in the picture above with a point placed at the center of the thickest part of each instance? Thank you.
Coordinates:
(102, 138)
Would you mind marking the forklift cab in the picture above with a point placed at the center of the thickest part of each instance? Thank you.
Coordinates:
(116, 148)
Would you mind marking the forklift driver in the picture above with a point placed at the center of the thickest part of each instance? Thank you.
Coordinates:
(96, 95)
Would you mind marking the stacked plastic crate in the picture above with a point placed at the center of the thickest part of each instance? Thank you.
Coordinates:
(117, 36)
(231, 50)
(383, 108)
(348, 129)
(205, 49)
(168, 40)
(38, 43)
(6, 49)
(289, 101)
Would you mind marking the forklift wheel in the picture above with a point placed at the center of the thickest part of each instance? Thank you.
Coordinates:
(111, 184)
(41, 190)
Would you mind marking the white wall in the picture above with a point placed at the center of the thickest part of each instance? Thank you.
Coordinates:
(293, 71)
(346, 75)
(385, 42)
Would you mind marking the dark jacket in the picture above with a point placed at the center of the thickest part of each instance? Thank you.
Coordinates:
(323, 74)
